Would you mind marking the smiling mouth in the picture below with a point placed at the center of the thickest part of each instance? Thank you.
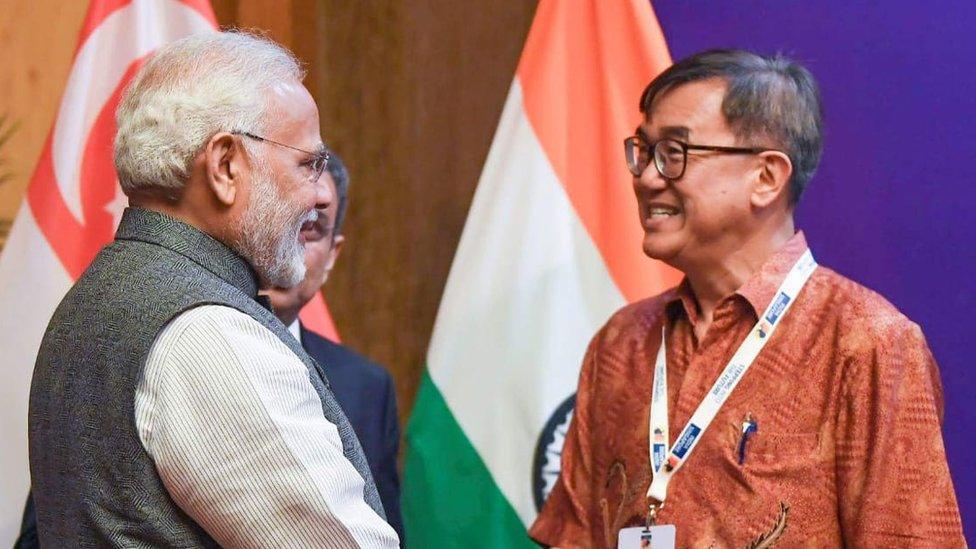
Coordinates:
(309, 230)
(660, 212)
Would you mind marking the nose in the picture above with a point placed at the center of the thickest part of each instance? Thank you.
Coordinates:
(324, 194)
(650, 179)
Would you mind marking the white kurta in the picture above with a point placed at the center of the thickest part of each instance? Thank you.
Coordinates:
(236, 430)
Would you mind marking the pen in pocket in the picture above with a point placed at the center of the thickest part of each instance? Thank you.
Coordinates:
(749, 427)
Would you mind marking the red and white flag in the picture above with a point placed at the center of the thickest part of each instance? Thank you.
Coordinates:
(73, 206)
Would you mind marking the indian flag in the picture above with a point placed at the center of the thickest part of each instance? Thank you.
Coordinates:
(551, 247)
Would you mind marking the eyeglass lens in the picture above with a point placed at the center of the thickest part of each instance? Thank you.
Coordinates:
(669, 157)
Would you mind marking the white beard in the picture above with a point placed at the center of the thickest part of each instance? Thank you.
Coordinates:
(269, 240)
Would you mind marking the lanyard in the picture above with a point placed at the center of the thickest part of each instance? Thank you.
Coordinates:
(665, 462)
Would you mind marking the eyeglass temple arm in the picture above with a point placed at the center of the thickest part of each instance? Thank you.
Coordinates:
(717, 148)
(248, 134)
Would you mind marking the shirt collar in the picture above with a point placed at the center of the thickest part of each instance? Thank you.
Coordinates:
(760, 289)
(296, 330)
(157, 228)
(684, 299)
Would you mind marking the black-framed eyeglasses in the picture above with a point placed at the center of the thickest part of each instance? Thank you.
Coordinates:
(670, 155)
(315, 163)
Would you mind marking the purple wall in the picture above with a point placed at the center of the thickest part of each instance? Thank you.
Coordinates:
(893, 205)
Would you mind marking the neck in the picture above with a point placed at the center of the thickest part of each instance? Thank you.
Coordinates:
(287, 315)
(192, 205)
(712, 281)
(171, 209)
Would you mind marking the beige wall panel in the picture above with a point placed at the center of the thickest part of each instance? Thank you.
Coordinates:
(38, 39)
(410, 94)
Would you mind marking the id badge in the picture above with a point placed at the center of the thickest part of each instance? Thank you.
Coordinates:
(639, 537)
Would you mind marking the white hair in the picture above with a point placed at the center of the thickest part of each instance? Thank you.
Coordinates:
(188, 91)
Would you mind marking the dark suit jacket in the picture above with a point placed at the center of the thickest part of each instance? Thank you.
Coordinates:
(367, 395)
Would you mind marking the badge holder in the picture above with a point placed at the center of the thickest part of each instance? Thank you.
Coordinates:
(649, 536)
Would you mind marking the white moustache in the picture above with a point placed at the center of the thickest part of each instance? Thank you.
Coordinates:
(311, 217)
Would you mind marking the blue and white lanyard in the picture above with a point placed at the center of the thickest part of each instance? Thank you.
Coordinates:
(665, 461)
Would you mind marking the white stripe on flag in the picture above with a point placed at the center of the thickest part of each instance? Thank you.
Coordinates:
(97, 71)
(527, 290)
(32, 279)
(32, 282)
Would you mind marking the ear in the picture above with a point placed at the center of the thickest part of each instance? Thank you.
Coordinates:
(773, 178)
(337, 243)
(224, 159)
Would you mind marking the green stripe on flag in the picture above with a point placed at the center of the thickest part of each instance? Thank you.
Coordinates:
(449, 497)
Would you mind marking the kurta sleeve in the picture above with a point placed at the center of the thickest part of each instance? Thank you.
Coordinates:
(239, 439)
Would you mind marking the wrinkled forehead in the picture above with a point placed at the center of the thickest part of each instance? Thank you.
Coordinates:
(294, 114)
(687, 110)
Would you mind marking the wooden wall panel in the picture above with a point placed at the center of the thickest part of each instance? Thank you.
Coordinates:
(38, 39)
(410, 94)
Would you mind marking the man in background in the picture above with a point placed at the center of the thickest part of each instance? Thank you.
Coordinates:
(363, 388)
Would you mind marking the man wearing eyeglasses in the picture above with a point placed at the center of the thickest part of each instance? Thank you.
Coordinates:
(169, 407)
(766, 399)
(364, 389)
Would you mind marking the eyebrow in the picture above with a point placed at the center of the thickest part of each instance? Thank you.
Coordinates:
(681, 132)
(675, 131)
(321, 151)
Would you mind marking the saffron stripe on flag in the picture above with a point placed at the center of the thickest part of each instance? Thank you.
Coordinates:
(582, 73)
(523, 298)
(315, 317)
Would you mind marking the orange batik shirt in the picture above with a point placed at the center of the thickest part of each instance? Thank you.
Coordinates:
(847, 406)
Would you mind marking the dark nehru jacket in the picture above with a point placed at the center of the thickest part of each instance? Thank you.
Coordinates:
(94, 484)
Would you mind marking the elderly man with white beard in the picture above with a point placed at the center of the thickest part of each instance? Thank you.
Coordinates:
(169, 406)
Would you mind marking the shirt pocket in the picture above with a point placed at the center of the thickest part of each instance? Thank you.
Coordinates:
(781, 455)
(768, 447)
(773, 456)
(791, 468)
